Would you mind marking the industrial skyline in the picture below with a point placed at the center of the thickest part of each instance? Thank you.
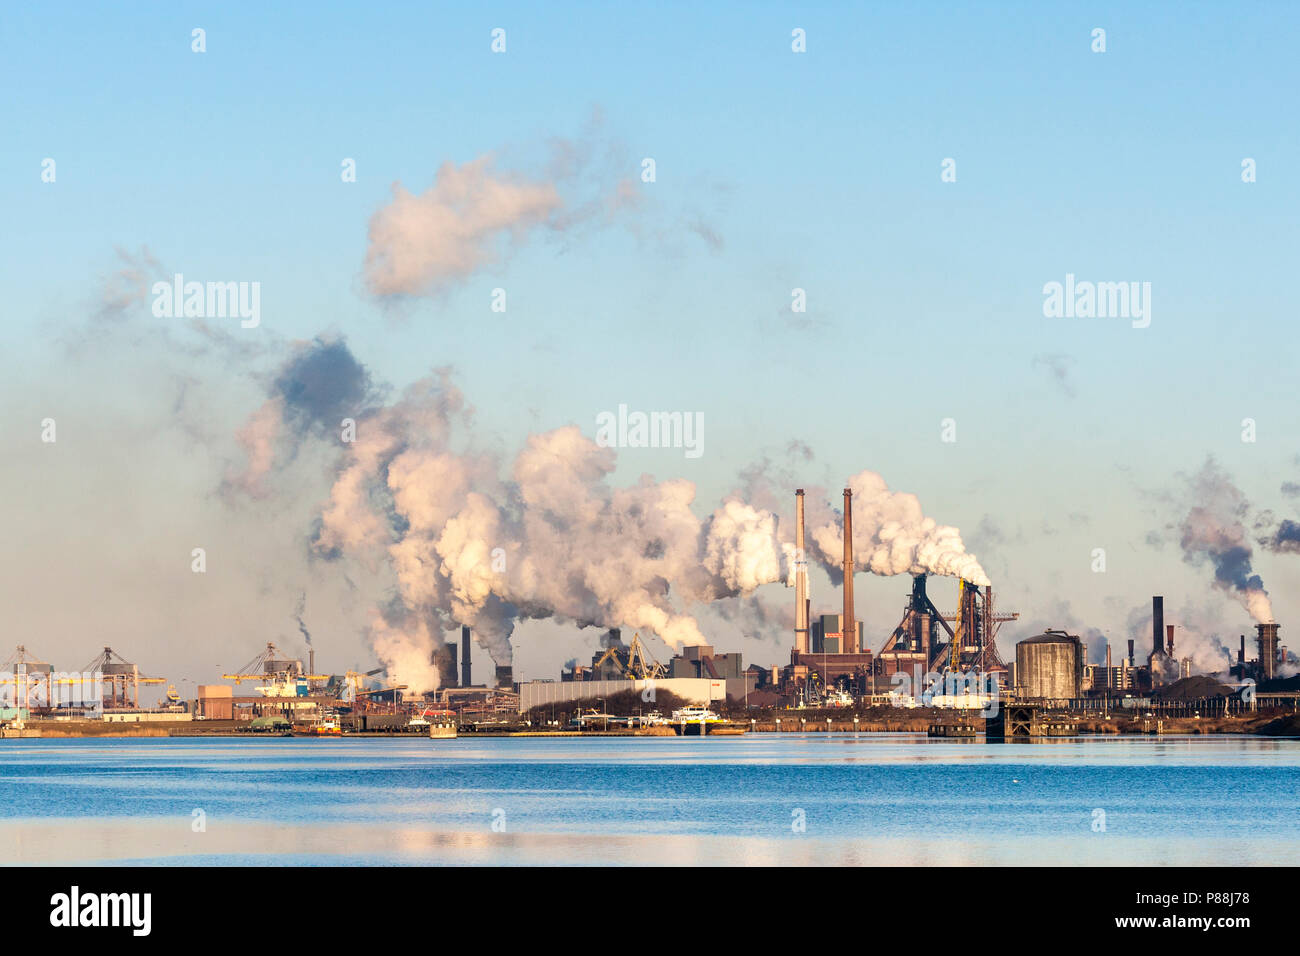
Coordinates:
(1043, 440)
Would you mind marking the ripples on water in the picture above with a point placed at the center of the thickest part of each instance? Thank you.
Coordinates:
(880, 798)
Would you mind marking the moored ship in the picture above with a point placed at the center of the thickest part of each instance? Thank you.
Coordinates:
(702, 722)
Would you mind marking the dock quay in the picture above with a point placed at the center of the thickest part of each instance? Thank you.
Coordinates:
(1027, 721)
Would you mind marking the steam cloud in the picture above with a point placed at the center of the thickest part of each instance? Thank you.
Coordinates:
(1214, 531)
(422, 243)
(891, 535)
(470, 539)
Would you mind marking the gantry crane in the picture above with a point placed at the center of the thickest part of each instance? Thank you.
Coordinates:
(26, 674)
(118, 674)
(268, 667)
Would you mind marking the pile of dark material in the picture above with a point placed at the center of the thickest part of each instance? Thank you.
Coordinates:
(1288, 726)
(1193, 688)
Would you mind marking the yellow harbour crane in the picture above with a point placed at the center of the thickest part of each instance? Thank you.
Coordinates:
(268, 666)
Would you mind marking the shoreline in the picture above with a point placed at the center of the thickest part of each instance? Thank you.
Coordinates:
(1265, 725)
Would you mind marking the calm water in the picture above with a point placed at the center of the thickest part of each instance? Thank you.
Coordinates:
(882, 798)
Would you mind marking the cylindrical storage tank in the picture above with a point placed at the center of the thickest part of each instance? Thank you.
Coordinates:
(1049, 666)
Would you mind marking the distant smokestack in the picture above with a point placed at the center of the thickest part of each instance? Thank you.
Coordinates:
(1267, 650)
(1157, 625)
(464, 656)
(505, 676)
(800, 578)
(849, 628)
(1131, 661)
(1169, 630)
(1108, 663)
(1241, 651)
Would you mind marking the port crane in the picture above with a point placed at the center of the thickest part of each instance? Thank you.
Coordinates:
(268, 665)
(639, 664)
(119, 678)
(118, 674)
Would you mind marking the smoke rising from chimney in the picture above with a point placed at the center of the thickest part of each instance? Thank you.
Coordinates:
(1213, 530)
(469, 539)
(891, 535)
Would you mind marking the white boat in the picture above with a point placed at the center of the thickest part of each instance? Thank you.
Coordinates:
(695, 715)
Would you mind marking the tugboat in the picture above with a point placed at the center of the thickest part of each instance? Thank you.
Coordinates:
(329, 727)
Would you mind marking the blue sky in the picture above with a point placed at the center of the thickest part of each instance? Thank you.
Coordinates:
(818, 170)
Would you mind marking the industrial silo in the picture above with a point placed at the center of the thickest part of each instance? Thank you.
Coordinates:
(1049, 666)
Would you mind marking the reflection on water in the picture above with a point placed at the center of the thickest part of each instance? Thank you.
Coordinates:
(878, 798)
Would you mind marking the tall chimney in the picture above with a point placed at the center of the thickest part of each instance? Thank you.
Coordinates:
(1108, 662)
(1131, 662)
(464, 656)
(1157, 625)
(1267, 650)
(848, 627)
(1241, 651)
(800, 578)
(1169, 644)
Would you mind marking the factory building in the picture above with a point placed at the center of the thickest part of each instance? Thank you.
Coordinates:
(537, 693)
(827, 635)
(832, 652)
(1098, 678)
(216, 702)
(1271, 655)
(618, 661)
(701, 661)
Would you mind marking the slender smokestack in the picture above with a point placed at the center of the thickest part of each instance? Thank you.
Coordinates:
(464, 656)
(849, 627)
(1241, 651)
(800, 579)
(1131, 661)
(1108, 662)
(1169, 630)
(1157, 625)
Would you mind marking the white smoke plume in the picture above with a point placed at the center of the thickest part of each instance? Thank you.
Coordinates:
(407, 652)
(891, 535)
(469, 539)
(1214, 531)
(1198, 635)
(422, 243)
(258, 439)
